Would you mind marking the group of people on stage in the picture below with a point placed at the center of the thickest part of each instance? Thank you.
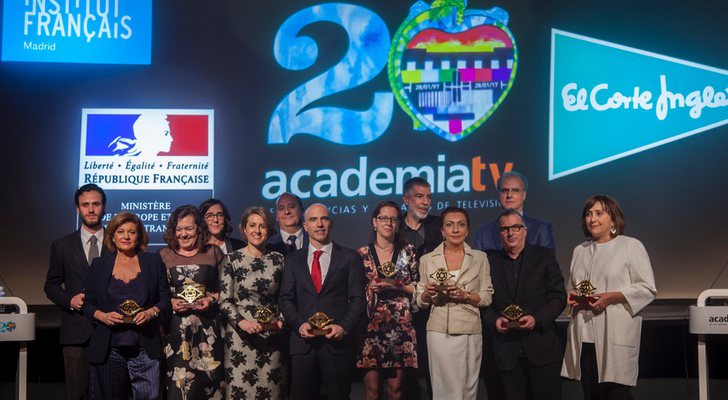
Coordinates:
(290, 313)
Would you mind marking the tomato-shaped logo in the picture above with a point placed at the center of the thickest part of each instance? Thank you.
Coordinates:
(450, 68)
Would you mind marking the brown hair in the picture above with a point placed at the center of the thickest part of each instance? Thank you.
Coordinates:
(170, 236)
(261, 212)
(119, 220)
(611, 207)
(453, 210)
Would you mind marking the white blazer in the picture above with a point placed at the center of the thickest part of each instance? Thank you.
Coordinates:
(620, 265)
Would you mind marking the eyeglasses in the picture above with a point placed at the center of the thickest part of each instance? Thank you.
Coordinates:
(211, 216)
(513, 228)
(513, 191)
(392, 220)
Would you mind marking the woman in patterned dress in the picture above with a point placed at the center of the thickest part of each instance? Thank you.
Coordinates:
(251, 277)
(389, 343)
(194, 347)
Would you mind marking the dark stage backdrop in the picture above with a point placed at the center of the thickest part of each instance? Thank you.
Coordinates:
(251, 115)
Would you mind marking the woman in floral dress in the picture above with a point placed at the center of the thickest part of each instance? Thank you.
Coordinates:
(389, 343)
(254, 362)
(194, 348)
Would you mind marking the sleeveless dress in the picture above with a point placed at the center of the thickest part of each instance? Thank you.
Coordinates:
(194, 348)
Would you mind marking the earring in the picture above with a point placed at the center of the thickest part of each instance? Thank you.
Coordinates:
(613, 231)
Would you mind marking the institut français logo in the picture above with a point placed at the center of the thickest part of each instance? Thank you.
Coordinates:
(609, 101)
(80, 31)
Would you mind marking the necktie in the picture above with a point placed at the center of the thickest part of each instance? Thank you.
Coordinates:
(93, 249)
(292, 244)
(316, 270)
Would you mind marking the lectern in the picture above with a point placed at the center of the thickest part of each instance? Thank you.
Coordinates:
(18, 327)
(707, 320)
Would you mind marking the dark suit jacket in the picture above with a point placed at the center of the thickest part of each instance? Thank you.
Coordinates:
(540, 233)
(540, 291)
(67, 269)
(341, 297)
(275, 243)
(154, 275)
(433, 235)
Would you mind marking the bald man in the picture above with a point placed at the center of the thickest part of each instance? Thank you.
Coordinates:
(328, 278)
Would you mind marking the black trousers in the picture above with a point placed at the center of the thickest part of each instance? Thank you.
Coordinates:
(77, 372)
(593, 390)
(320, 366)
(532, 382)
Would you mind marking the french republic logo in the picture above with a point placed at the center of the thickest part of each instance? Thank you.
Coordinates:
(147, 148)
(450, 68)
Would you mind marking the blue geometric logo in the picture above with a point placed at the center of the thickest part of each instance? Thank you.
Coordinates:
(609, 101)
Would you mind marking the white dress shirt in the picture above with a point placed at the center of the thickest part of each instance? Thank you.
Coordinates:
(324, 259)
(86, 240)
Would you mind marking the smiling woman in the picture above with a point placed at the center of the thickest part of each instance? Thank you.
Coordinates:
(126, 290)
(194, 344)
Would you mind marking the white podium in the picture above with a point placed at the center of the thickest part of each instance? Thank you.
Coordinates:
(707, 320)
(20, 328)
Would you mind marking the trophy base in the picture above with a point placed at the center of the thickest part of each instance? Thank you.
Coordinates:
(583, 299)
(390, 281)
(320, 332)
(513, 325)
(269, 326)
(127, 320)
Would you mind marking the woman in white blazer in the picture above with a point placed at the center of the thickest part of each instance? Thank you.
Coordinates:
(603, 337)
(454, 339)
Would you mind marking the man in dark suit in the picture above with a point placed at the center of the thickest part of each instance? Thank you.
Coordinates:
(70, 258)
(512, 188)
(290, 236)
(527, 356)
(328, 278)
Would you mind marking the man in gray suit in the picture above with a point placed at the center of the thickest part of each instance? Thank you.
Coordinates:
(70, 258)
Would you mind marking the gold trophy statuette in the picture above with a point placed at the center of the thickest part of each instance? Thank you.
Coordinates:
(442, 277)
(388, 270)
(191, 292)
(319, 321)
(513, 313)
(266, 318)
(129, 308)
(584, 290)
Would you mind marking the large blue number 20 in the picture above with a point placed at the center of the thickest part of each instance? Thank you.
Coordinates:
(367, 56)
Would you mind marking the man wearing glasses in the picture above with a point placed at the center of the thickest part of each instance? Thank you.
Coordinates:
(512, 187)
(529, 293)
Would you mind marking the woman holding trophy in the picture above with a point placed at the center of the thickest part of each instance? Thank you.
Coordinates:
(389, 342)
(194, 347)
(250, 281)
(126, 290)
(454, 283)
(612, 280)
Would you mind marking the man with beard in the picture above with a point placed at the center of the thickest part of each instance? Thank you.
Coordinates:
(424, 232)
(419, 228)
(70, 258)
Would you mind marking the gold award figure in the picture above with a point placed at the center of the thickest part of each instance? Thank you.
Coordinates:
(585, 291)
(191, 292)
(513, 313)
(388, 270)
(442, 277)
(319, 322)
(266, 318)
(129, 308)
